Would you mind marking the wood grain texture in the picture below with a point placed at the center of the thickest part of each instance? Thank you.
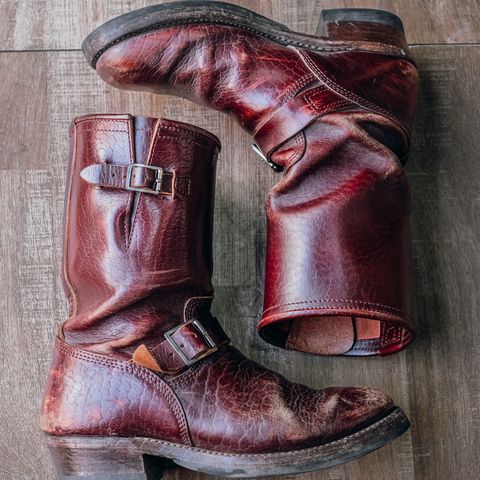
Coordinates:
(436, 380)
(60, 24)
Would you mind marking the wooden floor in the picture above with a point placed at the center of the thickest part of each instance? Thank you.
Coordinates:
(45, 81)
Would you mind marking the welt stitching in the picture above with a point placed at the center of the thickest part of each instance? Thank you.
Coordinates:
(111, 130)
(129, 368)
(293, 453)
(380, 47)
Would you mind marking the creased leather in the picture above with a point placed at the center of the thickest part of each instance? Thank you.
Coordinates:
(132, 261)
(339, 123)
(223, 402)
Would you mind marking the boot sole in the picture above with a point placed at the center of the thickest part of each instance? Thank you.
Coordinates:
(116, 458)
(167, 15)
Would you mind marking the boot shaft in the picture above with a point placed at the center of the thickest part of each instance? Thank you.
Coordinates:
(138, 226)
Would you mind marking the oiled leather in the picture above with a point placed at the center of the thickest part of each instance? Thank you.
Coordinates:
(234, 404)
(224, 403)
(124, 299)
(337, 274)
(133, 261)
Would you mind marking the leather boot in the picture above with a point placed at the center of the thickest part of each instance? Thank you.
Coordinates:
(334, 111)
(141, 370)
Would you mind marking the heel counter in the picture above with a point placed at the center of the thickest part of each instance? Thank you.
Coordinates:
(382, 84)
(49, 418)
(94, 394)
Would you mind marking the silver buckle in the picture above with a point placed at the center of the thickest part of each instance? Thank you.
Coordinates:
(211, 347)
(157, 184)
(275, 167)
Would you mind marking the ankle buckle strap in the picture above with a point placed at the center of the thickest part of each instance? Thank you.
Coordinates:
(210, 345)
(135, 177)
(157, 181)
(274, 166)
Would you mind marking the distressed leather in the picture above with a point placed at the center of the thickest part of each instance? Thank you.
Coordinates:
(225, 403)
(136, 264)
(133, 279)
(338, 261)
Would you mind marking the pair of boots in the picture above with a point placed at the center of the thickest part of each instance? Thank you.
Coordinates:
(141, 370)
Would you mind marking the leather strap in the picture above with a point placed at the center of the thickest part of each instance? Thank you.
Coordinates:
(183, 346)
(295, 115)
(135, 177)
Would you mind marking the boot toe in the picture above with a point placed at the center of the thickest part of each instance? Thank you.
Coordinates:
(352, 408)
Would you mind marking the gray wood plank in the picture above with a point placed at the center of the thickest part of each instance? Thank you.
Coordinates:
(26, 270)
(445, 170)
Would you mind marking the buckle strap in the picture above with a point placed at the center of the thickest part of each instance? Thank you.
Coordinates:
(184, 345)
(293, 117)
(135, 177)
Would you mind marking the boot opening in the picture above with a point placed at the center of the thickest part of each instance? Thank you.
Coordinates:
(339, 335)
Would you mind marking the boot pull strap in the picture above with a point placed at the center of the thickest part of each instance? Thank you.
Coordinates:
(184, 345)
(135, 177)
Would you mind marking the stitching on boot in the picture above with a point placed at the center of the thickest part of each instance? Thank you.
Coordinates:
(154, 380)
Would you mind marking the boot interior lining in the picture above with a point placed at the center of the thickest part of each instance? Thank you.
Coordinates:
(340, 335)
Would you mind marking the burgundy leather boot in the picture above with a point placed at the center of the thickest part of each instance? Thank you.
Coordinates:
(334, 111)
(141, 370)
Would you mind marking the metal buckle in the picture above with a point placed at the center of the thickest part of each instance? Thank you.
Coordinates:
(157, 183)
(211, 347)
(275, 167)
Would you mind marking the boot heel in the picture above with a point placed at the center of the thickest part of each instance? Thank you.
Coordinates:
(361, 24)
(84, 458)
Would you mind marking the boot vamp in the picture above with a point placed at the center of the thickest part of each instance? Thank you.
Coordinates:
(233, 404)
(227, 68)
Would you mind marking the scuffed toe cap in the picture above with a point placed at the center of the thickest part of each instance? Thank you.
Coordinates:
(351, 408)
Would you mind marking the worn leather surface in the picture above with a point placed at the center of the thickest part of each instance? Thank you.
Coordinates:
(224, 403)
(131, 281)
(134, 261)
(91, 394)
(234, 404)
(337, 275)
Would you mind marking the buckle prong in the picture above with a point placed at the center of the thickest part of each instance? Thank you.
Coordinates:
(157, 185)
(275, 167)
